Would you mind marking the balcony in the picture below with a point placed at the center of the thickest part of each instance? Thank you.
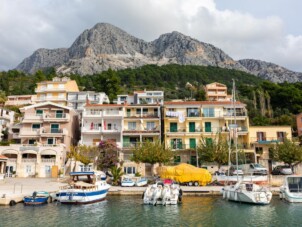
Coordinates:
(31, 118)
(56, 117)
(49, 89)
(266, 140)
(29, 132)
(54, 132)
(29, 160)
(96, 130)
(48, 160)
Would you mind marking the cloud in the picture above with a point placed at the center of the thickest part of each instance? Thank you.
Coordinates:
(26, 25)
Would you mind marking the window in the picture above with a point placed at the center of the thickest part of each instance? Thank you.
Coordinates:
(55, 128)
(192, 112)
(176, 144)
(261, 136)
(50, 141)
(84, 168)
(281, 136)
(131, 125)
(49, 85)
(39, 112)
(61, 85)
(129, 170)
(35, 127)
(259, 150)
(208, 112)
(150, 125)
(145, 111)
(31, 141)
(61, 96)
(177, 159)
(138, 111)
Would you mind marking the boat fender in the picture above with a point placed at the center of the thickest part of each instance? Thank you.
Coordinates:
(12, 203)
(143, 195)
(180, 192)
(50, 199)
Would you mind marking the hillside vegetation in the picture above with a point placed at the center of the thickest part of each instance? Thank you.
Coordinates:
(267, 102)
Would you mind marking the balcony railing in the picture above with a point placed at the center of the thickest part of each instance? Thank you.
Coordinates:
(267, 140)
(12, 160)
(29, 160)
(48, 160)
(205, 130)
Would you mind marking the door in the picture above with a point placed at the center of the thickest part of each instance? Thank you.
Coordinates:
(208, 126)
(192, 143)
(128, 112)
(28, 170)
(191, 126)
(47, 171)
(173, 127)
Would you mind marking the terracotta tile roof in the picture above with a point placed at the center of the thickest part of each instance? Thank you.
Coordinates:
(3, 157)
(202, 103)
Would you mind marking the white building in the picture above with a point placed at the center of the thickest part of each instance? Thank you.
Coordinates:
(142, 97)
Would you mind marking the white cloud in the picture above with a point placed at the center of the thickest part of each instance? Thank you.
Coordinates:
(26, 25)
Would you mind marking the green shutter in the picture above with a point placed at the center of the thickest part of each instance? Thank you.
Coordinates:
(208, 126)
(192, 143)
(173, 127)
(191, 126)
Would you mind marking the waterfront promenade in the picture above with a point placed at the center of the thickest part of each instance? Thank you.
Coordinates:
(16, 188)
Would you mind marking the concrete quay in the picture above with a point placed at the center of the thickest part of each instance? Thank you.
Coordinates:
(14, 189)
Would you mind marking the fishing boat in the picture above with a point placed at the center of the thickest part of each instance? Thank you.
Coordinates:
(246, 192)
(37, 198)
(291, 190)
(162, 194)
(141, 181)
(127, 182)
(84, 188)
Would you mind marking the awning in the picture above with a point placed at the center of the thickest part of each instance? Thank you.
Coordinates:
(10, 152)
(48, 152)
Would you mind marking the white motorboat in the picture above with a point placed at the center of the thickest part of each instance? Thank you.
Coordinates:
(127, 182)
(141, 182)
(246, 192)
(291, 190)
(84, 188)
(162, 194)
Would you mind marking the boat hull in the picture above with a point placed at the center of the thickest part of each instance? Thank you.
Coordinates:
(81, 196)
(29, 200)
(291, 191)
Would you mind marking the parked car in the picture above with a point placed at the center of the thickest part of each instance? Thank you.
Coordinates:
(233, 171)
(257, 169)
(282, 170)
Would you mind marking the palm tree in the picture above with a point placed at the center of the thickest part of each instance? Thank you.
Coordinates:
(116, 174)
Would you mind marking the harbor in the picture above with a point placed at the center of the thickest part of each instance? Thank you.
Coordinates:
(14, 189)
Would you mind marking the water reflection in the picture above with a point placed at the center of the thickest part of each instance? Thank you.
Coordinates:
(129, 211)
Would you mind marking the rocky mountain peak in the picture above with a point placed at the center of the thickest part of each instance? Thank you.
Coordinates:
(106, 46)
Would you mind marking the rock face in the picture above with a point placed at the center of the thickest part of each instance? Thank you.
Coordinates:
(105, 46)
(270, 71)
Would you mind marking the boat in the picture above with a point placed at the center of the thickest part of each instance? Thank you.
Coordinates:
(84, 188)
(141, 181)
(162, 194)
(291, 190)
(127, 182)
(245, 192)
(257, 179)
(37, 198)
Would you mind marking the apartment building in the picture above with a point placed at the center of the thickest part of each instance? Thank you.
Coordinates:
(6, 121)
(217, 92)
(20, 100)
(56, 90)
(188, 123)
(102, 122)
(142, 97)
(262, 138)
(77, 100)
(46, 132)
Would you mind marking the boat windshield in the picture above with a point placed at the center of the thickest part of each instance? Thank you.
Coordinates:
(259, 165)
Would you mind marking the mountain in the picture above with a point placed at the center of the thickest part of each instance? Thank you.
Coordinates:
(270, 71)
(105, 46)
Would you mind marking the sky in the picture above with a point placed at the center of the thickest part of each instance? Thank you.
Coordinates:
(267, 30)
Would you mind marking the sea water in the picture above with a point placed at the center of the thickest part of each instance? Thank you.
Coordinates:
(129, 211)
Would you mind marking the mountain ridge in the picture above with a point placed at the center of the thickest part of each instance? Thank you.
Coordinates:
(106, 46)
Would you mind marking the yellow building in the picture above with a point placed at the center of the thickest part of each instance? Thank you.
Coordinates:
(187, 124)
(262, 138)
(55, 90)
